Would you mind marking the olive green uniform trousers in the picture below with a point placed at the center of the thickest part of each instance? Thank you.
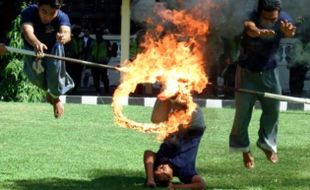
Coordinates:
(266, 81)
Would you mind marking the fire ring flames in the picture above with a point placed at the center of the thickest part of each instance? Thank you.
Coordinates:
(172, 59)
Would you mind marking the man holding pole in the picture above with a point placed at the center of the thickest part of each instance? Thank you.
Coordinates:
(257, 71)
(45, 29)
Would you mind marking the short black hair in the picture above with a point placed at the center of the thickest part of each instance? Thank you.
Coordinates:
(269, 5)
(56, 4)
(162, 182)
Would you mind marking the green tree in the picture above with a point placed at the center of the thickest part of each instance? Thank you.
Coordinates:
(14, 85)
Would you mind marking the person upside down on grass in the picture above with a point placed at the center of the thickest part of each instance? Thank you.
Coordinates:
(177, 154)
(46, 29)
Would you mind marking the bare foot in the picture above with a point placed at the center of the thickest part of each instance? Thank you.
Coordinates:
(248, 160)
(57, 106)
(271, 156)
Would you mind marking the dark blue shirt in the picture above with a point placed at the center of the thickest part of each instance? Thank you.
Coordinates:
(46, 33)
(259, 54)
(182, 157)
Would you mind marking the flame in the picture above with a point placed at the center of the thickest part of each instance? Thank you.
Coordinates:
(174, 59)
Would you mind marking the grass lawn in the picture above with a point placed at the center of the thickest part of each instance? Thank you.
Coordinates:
(86, 150)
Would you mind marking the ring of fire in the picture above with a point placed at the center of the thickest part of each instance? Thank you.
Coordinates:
(175, 61)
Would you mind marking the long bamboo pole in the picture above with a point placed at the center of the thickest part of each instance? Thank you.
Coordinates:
(67, 59)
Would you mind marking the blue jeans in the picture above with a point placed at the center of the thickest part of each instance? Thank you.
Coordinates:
(49, 74)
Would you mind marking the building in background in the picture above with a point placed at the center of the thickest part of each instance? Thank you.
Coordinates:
(95, 13)
(92, 14)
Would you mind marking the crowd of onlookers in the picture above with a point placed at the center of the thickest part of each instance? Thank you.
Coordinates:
(94, 45)
(94, 48)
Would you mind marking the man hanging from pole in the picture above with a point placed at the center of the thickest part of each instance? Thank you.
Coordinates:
(257, 71)
(46, 29)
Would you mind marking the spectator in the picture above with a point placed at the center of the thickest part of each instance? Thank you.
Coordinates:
(87, 41)
(100, 52)
(297, 58)
(74, 49)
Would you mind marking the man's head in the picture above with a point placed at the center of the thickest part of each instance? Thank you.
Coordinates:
(163, 175)
(86, 32)
(99, 33)
(269, 11)
(269, 5)
(48, 10)
(76, 30)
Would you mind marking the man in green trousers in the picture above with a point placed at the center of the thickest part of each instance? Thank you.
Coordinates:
(257, 70)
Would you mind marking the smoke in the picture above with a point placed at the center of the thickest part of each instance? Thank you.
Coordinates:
(142, 10)
(297, 8)
(299, 53)
(226, 18)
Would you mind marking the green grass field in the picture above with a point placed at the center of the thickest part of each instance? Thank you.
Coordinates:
(86, 150)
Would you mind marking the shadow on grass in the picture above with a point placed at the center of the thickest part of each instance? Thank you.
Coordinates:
(292, 172)
(234, 179)
(296, 113)
(109, 179)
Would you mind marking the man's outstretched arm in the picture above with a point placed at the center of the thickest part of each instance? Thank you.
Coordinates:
(197, 183)
(288, 29)
(149, 158)
(253, 31)
(28, 32)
